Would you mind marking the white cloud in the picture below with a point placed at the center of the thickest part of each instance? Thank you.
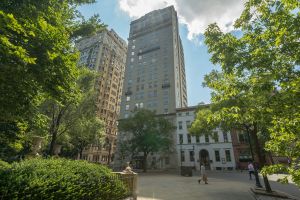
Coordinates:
(195, 14)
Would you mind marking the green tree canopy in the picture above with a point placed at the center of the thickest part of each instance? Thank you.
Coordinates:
(37, 54)
(146, 133)
(76, 119)
(38, 58)
(258, 84)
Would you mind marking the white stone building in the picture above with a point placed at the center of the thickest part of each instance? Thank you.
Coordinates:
(216, 152)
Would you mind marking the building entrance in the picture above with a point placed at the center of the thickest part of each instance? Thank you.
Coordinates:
(204, 158)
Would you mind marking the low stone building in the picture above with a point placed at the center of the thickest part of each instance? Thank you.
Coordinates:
(216, 151)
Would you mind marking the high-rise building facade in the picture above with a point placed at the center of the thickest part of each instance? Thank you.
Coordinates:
(154, 77)
(155, 72)
(105, 52)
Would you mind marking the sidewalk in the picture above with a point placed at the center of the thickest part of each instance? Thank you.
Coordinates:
(222, 186)
(278, 195)
(266, 197)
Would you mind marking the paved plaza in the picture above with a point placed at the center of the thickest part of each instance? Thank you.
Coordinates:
(222, 186)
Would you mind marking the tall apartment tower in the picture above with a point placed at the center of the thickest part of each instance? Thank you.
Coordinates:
(154, 76)
(106, 53)
(155, 72)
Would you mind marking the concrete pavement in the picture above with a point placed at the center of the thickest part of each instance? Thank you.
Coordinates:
(222, 186)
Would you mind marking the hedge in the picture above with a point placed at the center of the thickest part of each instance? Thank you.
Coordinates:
(4, 165)
(59, 179)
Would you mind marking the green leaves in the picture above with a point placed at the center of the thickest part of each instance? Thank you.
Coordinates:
(38, 59)
(146, 132)
(204, 123)
(259, 78)
(59, 179)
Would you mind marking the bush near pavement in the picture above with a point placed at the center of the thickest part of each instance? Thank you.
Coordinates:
(59, 179)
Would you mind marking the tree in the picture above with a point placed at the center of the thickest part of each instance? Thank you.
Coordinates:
(75, 118)
(85, 131)
(146, 133)
(234, 106)
(86, 127)
(38, 59)
(264, 64)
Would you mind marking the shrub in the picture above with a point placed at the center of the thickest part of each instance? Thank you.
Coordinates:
(60, 179)
(4, 165)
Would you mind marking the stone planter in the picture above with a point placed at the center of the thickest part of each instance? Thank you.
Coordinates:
(129, 178)
(36, 145)
(57, 149)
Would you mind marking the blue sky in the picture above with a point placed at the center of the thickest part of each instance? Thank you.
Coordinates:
(118, 14)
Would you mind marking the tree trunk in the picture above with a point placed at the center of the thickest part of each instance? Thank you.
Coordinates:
(271, 158)
(261, 158)
(145, 162)
(109, 153)
(80, 153)
(54, 128)
(53, 141)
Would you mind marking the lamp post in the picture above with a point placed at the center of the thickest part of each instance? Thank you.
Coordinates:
(109, 153)
(194, 157)
(180, 143)
(180, 155)
(257, 182)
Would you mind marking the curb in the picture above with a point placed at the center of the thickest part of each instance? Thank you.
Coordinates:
(261, 194)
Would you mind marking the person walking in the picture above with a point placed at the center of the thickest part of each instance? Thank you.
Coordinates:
(203, 174)
(250, 170)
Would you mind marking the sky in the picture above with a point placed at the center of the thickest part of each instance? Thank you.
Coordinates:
(194, 17)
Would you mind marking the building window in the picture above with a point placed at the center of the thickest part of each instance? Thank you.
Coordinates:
(192, 156)
(227, 154)
(141, 105)
(132, 53)
(182, 156)
(244, 155)
(243, 138)
(127, 107)
(216, 136)
(225, 137)
(197, 139)
(126, 115)
(180, 125)
(132, 59)
(127, 98)
(180, 138)
(167, 160)
(206, 138)
(217, 155)
(189, 138)
(188, 124)
(133, 47)
(140, 57)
